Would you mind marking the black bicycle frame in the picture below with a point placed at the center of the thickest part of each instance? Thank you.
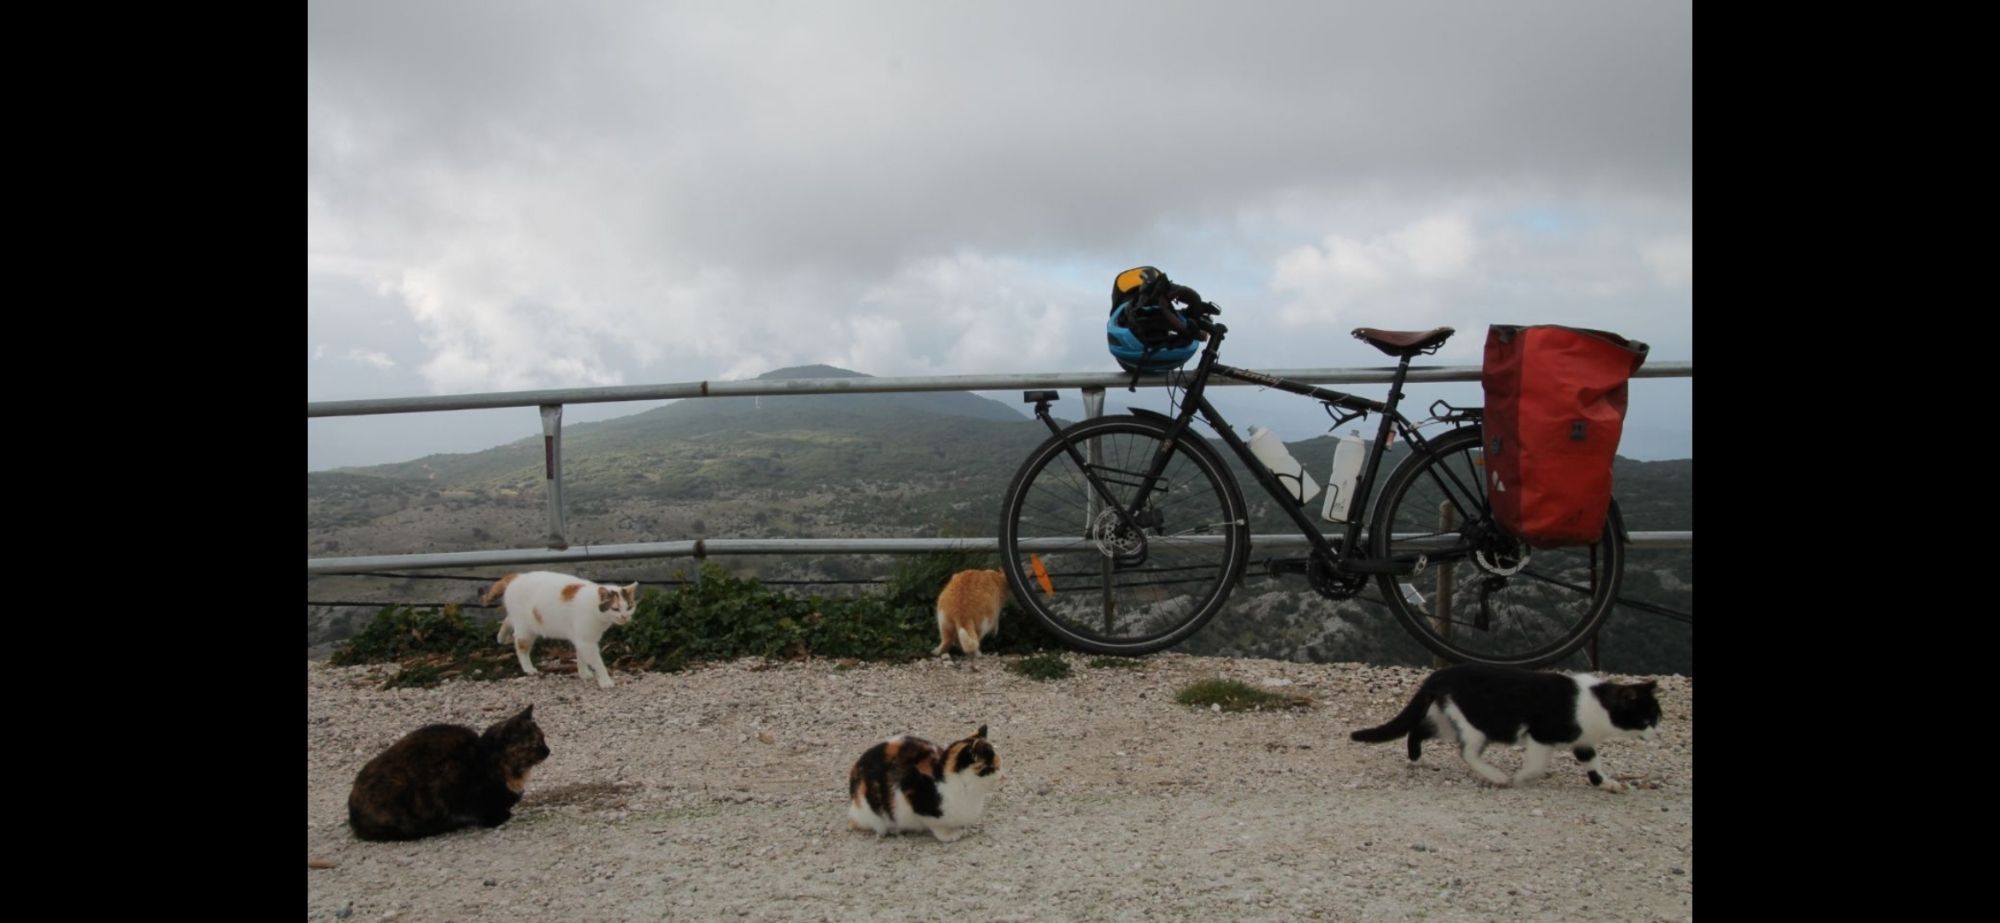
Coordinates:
(1346, 556)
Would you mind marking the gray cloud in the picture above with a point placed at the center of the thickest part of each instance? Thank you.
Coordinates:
(526, 194)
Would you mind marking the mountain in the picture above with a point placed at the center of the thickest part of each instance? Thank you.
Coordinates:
(718, 418)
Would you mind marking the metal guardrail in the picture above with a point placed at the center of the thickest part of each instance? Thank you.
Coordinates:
(718, 547)
(551, 401)
(767, 387)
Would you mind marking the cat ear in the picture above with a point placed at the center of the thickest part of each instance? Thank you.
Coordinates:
(982, 733)
(527, 714)
(1647, 686)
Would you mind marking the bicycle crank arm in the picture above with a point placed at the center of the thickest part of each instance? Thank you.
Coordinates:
(1486, 587)
(1398, 567)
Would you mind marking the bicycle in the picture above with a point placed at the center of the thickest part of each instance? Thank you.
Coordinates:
(1125, 534)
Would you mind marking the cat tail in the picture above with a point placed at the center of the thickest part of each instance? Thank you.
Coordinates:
(1405, 721)
(498, 588)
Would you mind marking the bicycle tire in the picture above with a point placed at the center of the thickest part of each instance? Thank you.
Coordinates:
(1548, 606)
(1060, 546)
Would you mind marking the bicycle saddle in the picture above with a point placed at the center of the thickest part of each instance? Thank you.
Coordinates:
(1400, 343)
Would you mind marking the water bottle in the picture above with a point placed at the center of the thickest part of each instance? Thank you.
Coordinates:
(1346, 473)
(1291, 475)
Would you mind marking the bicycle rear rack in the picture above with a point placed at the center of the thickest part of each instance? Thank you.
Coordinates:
(1452, 414)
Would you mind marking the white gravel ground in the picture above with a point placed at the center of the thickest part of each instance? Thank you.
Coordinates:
(719, 794)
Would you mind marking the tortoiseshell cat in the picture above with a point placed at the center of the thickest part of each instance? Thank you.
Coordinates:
(1474, 704)
(906, 783)
(441, 777)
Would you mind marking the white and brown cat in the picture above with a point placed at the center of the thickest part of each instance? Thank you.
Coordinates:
(968, 611)
(544, 604)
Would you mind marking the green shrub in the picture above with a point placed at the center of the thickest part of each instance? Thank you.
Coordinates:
(1044, 667)
(718, 617)
(403, 632)
(1116, 663)
(1231, 695)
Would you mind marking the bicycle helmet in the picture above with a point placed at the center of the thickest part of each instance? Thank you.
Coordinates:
(1146, 333)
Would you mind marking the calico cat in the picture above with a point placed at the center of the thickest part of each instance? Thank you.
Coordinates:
(442, 777)
(542, 604)
(906, 783)
(1475, 704)
(969, 609)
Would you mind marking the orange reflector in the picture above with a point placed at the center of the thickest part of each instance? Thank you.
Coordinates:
(1042, 575)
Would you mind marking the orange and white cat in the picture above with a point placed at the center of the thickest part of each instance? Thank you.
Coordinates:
(544, 604)
(969, 610)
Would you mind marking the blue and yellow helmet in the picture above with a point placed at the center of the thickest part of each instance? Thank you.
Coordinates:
(1146, 333)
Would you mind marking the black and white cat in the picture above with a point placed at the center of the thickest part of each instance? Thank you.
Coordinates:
(1473, 705)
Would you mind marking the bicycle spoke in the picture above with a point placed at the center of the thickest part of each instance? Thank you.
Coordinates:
(1485, 596)
(1152, 569)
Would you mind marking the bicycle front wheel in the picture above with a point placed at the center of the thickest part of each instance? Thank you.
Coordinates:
(1486, 596)
(1085, 573)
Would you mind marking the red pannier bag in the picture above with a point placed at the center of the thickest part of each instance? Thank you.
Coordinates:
(1555, 407)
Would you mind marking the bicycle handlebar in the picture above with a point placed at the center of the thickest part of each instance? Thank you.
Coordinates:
(1192, 299)
(1198, 311)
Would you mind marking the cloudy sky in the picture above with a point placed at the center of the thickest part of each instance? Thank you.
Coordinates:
(508, 195)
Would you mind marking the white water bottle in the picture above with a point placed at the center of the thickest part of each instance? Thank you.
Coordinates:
(1346, 474)
(1291, 475)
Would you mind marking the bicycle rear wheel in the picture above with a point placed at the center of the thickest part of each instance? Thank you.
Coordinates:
(1090, 579)
(1485, 595)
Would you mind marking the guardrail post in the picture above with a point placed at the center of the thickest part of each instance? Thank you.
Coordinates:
(1595, 662)
(1447, 520)
(552, 472)
(1093, 407)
